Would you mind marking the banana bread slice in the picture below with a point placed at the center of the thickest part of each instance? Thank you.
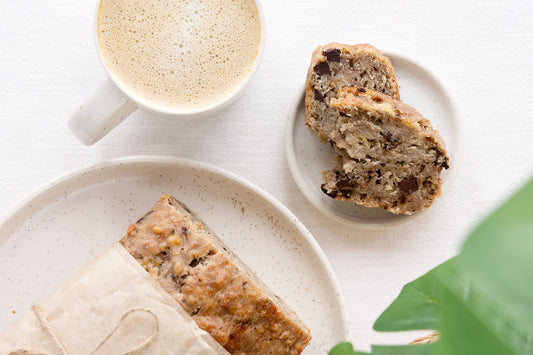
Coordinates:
(391, 157)
(212, 284)
(334, 66)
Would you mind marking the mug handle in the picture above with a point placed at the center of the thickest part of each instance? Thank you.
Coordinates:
(102, 111)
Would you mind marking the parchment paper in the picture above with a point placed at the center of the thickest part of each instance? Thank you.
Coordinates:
(110, 306)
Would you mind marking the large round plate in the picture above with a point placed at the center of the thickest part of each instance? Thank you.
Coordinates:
(308, 157)
(60, 227)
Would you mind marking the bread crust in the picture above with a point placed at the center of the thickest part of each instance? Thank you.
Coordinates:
(212, 284)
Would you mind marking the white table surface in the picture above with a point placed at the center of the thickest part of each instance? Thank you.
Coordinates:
(482, 51)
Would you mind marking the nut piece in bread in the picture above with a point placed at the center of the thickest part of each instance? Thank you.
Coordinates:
(391, 157)
(334, 66)
(212, 284)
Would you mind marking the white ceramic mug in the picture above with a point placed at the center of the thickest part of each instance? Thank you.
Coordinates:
(112, 101)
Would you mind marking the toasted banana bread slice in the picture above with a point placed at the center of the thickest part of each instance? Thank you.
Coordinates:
(212, 284)
(390, 156)
(334, 66)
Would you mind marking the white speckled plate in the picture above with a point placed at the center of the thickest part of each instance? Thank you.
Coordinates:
(308, 157)
(60, 227)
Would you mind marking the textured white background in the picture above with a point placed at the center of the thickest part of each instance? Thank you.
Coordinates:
(482, 50)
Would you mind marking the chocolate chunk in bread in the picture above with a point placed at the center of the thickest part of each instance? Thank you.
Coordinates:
(212, 284)
(334, 66)
(390, 156)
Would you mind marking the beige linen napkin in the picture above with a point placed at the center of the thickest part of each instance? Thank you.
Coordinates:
(110, 306)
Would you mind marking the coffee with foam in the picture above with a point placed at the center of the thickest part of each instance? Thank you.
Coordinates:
(179, 54)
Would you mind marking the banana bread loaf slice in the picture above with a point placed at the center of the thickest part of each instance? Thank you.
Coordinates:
(212, 284)
(391, 157)
(334, 66)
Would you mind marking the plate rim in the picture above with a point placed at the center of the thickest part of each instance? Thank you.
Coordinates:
(297, 177)
(179, 161)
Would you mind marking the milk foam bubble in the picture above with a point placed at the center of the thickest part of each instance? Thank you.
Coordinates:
(179, 54)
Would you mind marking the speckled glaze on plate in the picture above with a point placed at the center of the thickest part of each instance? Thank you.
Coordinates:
(308, 157)
(50, 234)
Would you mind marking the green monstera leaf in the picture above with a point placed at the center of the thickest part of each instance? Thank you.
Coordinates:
(481, 301)
(497, 305)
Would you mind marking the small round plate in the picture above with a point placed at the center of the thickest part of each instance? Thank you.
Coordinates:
(308, 157)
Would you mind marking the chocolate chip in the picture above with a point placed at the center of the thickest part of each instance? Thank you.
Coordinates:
(344, 185)
(408, 185)
(343, 181)
(244, 283)
(346, 193)
(184, 231)
(194, 262)
(329, 193)
(319, 96)
(343, 114)
(164, 255)
(438, 154)
(322, 69)
(333, 55)
(361, 89)
(390, 143)
(403, 199)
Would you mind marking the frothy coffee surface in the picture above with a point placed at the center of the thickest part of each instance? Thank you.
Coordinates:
(179, 54)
